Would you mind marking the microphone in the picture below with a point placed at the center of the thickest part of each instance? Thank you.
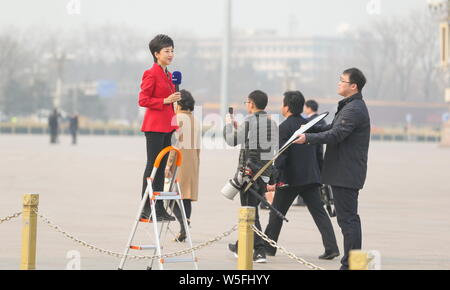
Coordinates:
(176, 80)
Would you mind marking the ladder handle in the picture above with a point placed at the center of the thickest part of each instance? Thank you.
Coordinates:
(164, 152)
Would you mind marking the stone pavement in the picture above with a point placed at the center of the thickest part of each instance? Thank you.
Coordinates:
(92, 190)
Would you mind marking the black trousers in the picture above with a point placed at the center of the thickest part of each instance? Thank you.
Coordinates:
(346, 204)
(74, 136)
(156, 142)
(248, 199)
(283, 199)
(187, 203)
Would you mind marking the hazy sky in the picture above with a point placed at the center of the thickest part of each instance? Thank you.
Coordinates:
(205, 17)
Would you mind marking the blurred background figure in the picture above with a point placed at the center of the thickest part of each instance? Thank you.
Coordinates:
(188, 142)
(53, 126)
(73, 128)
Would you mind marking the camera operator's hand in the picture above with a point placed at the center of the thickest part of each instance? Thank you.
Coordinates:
(175, 97)
(271, 187)
(229, 120)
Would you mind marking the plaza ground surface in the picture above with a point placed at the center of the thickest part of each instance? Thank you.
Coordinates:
(92, 191)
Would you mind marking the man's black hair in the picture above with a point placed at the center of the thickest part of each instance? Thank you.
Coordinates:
(294, 100)
(313, 105)
(159, 42)
(259, 98)
(356, 77)
(187, 102)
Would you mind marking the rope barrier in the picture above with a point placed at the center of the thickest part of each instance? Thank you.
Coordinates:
(179, 253)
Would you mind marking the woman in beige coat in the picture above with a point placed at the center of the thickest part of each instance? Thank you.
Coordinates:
(188, 141)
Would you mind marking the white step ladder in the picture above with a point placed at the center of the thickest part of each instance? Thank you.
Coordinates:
(154, 196)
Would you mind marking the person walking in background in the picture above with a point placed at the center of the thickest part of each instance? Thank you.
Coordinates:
(189, 138)
(53, 126)
(73, 128)
(157, 96)
(345, 163)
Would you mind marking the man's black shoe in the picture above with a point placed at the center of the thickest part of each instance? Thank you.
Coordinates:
(328, 256)
(259, 256)
(233, 249)
(270, 252)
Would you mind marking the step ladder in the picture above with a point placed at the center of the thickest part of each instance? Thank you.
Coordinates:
(154, 196)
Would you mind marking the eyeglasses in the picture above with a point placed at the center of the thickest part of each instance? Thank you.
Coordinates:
(248, 102)
(342, 81)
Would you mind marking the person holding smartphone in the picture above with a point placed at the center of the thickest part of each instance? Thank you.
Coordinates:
(158, 95)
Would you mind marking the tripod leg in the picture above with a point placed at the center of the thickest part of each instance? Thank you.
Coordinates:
(264, 201)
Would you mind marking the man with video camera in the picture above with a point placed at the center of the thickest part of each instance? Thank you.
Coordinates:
(258, 137)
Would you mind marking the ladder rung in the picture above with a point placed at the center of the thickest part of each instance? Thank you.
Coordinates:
(177, 260)
(173, 197)
(143, 247)
(150, 221)
(165, 193)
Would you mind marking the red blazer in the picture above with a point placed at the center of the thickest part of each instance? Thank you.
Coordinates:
(155, 87)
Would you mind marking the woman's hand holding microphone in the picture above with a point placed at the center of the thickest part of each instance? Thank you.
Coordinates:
(175, 97)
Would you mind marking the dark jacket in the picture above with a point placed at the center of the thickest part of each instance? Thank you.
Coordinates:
(322, 123)
(347, 139)
(258, 137)
(73, 124)
(298, 165)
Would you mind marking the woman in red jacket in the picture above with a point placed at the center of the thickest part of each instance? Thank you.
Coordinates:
(158, 95)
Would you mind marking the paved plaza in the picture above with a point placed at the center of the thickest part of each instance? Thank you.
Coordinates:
(92, 191)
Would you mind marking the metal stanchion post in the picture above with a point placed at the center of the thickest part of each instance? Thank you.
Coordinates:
(358, 260)
(245, 244)
(29, 230)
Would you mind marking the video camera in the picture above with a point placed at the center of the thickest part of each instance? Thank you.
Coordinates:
(326, 195)
(241, 178)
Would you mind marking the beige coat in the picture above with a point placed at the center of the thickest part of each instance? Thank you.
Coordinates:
(188, 141)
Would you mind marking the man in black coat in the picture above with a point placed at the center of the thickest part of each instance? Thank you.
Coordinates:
(73, 128)
(345, 163)
(310, 111)
(299, 174)
(53, 125)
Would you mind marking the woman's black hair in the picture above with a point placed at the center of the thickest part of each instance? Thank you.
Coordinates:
(187, 102)
(159, 42)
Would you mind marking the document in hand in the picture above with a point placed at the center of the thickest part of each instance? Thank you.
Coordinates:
(294, 136)
(303, 129)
